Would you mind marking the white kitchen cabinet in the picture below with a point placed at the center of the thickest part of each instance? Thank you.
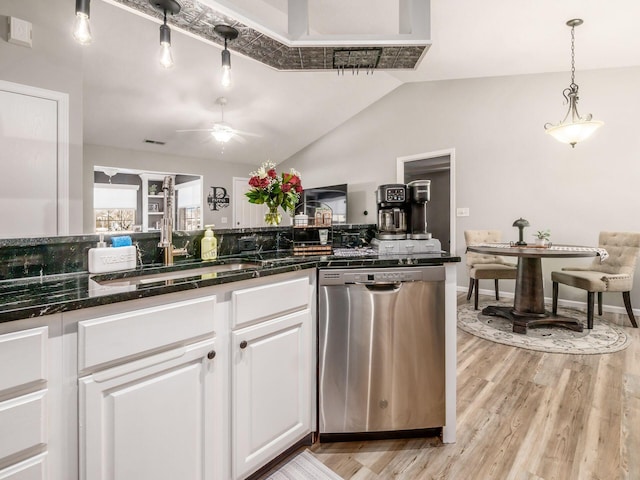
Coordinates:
(151, 418)
(272, 380)
(30, 422)
(146, 389)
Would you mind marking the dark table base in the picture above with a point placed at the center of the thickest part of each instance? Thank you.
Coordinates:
(521, 322)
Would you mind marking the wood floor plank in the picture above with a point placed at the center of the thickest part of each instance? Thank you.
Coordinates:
(522, 415)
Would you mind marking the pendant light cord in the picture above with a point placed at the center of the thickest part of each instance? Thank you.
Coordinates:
(573, 56)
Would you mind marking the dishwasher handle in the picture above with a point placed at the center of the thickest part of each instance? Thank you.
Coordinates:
(381, 286)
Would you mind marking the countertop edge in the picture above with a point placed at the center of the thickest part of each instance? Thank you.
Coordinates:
(55, 301)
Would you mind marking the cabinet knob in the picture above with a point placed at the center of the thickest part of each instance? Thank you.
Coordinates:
(211, 355)
(243, 344)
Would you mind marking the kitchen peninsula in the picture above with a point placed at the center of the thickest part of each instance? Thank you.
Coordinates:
(230, 353)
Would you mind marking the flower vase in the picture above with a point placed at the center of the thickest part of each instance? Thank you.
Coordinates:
(272, 217)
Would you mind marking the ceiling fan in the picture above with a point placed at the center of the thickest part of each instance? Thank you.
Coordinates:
(222, 131)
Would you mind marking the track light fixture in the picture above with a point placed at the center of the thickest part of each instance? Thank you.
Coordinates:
(81, 26)
(228, 33)
(573, 128)
(172, 7)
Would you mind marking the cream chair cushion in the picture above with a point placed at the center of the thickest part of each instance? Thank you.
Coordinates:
(615, 274)
(496, 271)
(474, 237)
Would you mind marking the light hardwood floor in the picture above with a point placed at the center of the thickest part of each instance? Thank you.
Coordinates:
(521, 415)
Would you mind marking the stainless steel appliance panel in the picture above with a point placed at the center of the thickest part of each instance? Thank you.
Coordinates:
(381, 349)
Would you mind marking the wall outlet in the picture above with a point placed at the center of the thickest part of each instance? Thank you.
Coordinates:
(223, 220)
(462, 212)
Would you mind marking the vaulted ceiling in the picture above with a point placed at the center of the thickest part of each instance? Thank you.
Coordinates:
(129, 98)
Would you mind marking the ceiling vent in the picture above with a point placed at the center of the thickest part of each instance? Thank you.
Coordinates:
(356, 59)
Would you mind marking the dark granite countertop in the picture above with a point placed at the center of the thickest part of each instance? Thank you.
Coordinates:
(35, 297)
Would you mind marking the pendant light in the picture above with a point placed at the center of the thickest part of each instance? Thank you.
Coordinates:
(573, 128)
(228, 33)
(81, 26)
(172, 7)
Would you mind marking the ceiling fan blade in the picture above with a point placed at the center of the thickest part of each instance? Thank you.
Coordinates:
(247, 134)
(239, 139)
(196, 130)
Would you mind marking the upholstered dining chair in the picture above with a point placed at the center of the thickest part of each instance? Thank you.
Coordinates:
(615, 274)
(486, 267)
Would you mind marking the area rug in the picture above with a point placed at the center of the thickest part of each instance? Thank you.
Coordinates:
(603, 338)
(304, 466)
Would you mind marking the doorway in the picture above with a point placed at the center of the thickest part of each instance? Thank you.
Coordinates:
(439, 167)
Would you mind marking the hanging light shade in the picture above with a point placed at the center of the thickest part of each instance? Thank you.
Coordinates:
(228, 33)
(172, 7)
(573, 128)
(81, 26)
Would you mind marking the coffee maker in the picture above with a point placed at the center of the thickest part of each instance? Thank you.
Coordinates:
(419, 194)
(393, 210)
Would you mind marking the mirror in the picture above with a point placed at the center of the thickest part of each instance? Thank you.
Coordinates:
(102, 115)
(129, 200)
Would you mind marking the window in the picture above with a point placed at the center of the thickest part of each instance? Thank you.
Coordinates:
(189, 204)
(114, 220)
(114, 206)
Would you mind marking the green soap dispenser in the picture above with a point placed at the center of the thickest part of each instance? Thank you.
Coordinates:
(209, 244)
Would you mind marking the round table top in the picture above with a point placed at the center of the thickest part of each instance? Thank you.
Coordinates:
(556, 251)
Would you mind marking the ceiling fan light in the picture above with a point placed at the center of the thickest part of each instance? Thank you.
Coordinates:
(222, 132)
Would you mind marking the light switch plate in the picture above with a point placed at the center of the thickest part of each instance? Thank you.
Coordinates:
(20, 32)
(462, 212)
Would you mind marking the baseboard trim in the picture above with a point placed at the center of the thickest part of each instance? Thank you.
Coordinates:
(561, 302)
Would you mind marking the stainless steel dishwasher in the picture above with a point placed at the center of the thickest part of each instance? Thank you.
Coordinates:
(381, 350)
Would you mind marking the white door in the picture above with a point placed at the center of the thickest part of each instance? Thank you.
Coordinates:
(245, 214)
(271, 393)
(151, 418)
(34, 161)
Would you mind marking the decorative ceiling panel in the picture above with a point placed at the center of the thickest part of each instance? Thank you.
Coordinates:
(199, 20)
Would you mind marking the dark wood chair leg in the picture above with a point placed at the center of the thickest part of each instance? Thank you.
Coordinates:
(496, 282)
(590, 302)
(554, 308)
(471, 282)
(627, 303)
(600, 303)
(475, 298)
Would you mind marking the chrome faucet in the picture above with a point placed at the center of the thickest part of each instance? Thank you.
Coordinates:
(166, 231)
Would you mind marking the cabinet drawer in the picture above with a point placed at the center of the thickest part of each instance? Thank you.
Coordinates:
(22, 424)
(265, 301)
(109, 338)
(23, 358)
(35, 468)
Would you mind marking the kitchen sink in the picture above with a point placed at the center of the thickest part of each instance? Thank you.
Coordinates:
(209, 271)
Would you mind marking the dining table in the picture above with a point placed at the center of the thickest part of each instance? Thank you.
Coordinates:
(528, 308)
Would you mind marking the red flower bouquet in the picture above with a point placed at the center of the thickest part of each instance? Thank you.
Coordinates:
(274, 191)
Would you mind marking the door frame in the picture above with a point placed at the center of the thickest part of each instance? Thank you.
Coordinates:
(62, 180)
(451, 153)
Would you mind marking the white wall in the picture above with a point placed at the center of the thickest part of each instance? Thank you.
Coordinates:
(506, 165)
(215, 173)
(54, 63)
